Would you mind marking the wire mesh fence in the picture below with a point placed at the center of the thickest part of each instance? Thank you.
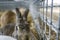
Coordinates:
(50, 16)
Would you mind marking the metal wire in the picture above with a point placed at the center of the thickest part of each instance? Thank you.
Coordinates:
(43, 15)
(51, 11)
(59, 26)
(43, 22)
(50, 24)
(46, 14)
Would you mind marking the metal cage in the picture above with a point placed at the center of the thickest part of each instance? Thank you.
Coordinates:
(43, 16)
(49, 17)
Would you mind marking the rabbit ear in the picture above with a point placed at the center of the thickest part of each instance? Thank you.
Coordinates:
(26, 13)
(18, 13)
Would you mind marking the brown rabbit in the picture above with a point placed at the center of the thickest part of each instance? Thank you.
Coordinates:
(23, 25)
(8, 20)
(8, 29)
(8, 17)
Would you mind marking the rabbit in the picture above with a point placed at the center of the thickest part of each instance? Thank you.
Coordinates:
(8, 21)
(23, 25)
(8, 17)
(8, 29)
